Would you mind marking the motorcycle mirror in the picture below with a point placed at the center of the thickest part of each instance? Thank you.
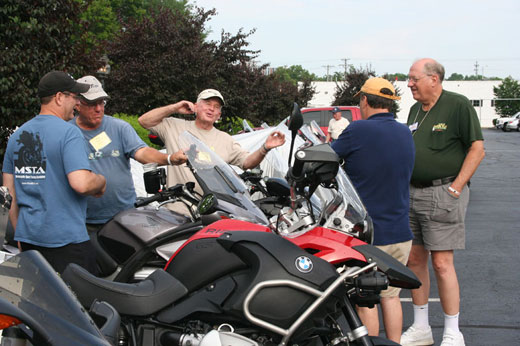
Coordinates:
(294, 124)
(208, 204)
(295, 120)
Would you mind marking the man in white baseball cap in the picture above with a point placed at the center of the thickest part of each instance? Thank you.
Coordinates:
(208, 110)
(111, 143)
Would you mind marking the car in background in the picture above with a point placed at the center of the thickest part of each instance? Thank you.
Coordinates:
(322, 115)
(499, 122)
(511, 125)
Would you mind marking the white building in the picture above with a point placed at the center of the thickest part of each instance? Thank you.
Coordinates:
(480, 94)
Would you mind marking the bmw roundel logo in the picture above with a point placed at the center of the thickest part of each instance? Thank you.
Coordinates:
(304, 264)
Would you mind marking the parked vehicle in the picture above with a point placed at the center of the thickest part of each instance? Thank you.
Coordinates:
(511, 125)
(499, 122)
(322, 115)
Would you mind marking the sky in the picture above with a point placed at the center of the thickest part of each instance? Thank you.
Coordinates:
(386, 35)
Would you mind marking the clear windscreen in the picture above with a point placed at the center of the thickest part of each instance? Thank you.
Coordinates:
(217, 177)
(28, 282)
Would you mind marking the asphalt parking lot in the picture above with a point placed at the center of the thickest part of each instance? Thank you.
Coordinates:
(489, 268)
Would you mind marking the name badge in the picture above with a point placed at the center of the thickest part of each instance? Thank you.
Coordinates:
(100, 141)
(413, 127)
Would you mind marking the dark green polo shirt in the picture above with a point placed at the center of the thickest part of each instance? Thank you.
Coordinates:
(444, 136)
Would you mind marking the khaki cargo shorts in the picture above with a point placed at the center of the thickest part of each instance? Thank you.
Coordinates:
(437, 217)
(399, 251)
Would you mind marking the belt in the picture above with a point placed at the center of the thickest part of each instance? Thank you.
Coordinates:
(436, 182)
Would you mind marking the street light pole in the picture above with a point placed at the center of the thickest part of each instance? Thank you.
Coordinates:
(104, 70)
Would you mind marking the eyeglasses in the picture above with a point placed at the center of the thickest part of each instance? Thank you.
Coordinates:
(416, 79)
(66, 93)
(93, 103)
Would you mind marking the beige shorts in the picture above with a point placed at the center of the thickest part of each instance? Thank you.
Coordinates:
(399, 251)
(437, 217)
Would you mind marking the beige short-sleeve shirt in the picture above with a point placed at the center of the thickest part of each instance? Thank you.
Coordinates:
(220, 142)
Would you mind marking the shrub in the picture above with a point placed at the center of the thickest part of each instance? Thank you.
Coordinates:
(141, 131)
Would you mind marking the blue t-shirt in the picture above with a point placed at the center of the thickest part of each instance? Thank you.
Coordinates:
(379, 156)
(110, 147)
(40, 154)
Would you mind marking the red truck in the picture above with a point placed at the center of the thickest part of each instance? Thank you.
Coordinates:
(322, 115)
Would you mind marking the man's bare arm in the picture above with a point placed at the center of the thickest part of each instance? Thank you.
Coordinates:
(473, 158)
(87, 183)
(13, 212)
(156, 115)
(149, 155)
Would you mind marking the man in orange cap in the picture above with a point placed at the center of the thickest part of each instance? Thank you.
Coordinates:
(379, 157)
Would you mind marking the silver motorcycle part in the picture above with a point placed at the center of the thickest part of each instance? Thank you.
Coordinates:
(167, 250)
(320, 298)
(216, 338)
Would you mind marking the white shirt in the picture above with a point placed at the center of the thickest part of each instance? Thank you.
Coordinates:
(337, 126)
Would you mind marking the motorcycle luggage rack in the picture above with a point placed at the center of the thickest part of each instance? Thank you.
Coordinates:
(321, 297)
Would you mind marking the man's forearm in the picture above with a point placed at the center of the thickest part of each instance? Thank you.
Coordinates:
(155, 116)
(473, 158)
(149, 155)
(87, 183)
(8, 180)
(254, 159)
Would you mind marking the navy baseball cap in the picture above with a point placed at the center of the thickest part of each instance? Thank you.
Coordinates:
(59, 81)
(335, 110)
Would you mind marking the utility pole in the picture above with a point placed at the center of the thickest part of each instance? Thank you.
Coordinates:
(345, 65)
(328, 68)
(476, 68)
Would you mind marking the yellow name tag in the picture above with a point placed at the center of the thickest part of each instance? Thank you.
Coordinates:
(204, 156)
(100, 141)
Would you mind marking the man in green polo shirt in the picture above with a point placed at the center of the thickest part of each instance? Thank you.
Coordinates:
(449, 147)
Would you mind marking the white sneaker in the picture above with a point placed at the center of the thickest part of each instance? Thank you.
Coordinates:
(452, 338)
(415, 336)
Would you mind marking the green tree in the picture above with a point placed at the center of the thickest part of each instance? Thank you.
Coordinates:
(346, 90)
(102, 21)
(105, 17)
(456, 76)
(397, 76)
(356, 77)
(36, 38)
(504, 93)
(294, 74)
(301, 78)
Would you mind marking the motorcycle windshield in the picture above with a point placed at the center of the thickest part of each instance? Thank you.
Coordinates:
(355, 210)
(28, 282)
(217, 177)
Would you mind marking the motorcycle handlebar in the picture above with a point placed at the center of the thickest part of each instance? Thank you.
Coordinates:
(172, 191)
(297, 168)
(147, 200)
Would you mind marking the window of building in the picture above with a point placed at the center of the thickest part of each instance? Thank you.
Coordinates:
(476, 103)
(492, 103)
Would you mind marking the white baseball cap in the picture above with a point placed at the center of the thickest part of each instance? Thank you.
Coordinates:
(96, 89)
(209, 93)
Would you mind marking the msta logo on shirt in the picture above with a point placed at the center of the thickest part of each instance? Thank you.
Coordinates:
(440, 127)
(29, 170)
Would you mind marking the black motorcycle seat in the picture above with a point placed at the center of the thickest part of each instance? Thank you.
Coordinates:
(156, 292)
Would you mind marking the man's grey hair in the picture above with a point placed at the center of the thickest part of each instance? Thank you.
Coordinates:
(433, 67)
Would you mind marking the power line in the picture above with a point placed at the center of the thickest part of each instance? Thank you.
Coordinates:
(328, 68)
(345, 65)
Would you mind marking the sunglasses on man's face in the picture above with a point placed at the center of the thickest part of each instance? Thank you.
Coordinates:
(93, 103)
